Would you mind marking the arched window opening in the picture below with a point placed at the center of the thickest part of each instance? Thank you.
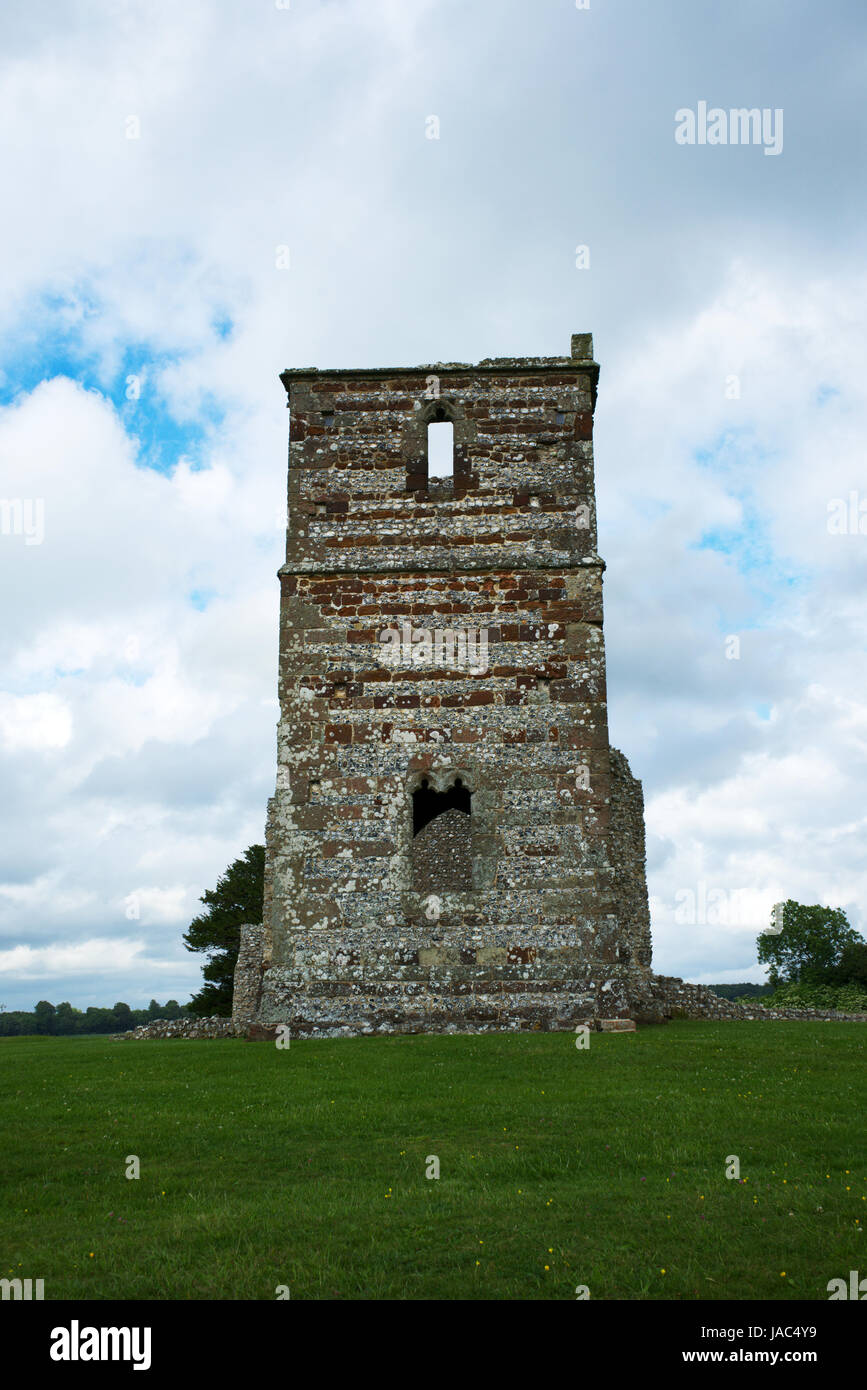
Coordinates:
(427, 804)
(440, 449)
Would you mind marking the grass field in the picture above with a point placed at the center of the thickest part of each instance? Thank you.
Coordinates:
(305, 1166)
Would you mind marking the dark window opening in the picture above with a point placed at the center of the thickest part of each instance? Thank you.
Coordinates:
(560, 417)
(328, 418)
(428, 804)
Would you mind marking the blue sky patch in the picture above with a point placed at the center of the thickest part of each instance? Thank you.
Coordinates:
(54, 347)
(201, 598)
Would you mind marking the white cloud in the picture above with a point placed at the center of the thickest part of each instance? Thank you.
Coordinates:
(149, 904)
(34, 722)
(109, 956)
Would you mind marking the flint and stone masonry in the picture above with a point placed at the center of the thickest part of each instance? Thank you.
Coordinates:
(452, 843)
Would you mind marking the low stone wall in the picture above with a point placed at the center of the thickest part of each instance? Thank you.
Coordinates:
(665, 996)
(181, 1028)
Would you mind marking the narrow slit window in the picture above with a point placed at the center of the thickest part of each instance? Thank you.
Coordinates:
(440, 449)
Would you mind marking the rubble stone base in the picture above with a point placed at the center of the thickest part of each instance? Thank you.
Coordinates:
(182, 1028)
(609, 1002)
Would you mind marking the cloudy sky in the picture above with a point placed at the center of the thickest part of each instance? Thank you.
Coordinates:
(199, 195)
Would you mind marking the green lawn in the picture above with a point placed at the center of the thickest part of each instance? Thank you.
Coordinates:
(305, 1166)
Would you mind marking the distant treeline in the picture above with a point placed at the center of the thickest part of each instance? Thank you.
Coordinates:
(63, 1019)
(740, 991)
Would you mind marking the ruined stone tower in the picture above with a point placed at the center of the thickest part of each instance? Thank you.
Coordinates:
(452, 842)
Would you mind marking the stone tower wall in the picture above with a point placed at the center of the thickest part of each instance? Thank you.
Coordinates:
(550, 910)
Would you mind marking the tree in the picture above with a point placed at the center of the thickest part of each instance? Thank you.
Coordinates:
(45, 1017)
(66, 1018)
(810, 946)
(238, 898)
(98, 1021)
(852, 969)
(747, 990)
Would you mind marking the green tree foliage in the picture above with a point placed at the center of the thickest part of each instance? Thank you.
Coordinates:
(15, 1023)
(236, 900)
(744, 991)
(45, 1017)
(852, 969)
(849, 998)
(65, 1020)
(811, 946)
